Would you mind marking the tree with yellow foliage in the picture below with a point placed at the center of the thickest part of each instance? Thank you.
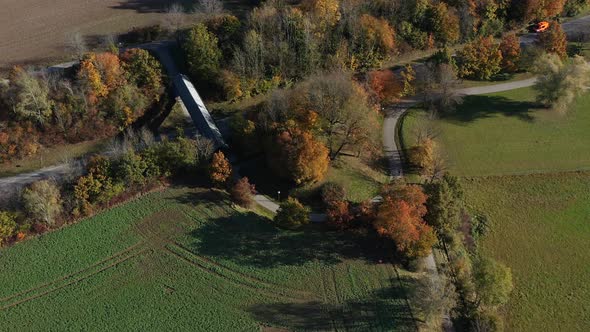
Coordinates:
(327, 12)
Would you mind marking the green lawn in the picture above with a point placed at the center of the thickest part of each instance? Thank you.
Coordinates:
(517, 163)
(505, 133)
(541, 229)
(184, 259)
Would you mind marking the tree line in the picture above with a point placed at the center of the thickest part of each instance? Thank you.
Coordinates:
(106, 93)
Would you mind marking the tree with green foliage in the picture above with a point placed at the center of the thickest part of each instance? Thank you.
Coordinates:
(202, 53)
(42, 201)
(493, 282)
(445, 203)
(7, 225)
(480, 59)
(292, 214)
(131, 168)
(28, 97)
(144, 71)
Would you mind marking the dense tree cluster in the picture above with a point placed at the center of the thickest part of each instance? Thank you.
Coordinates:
(106, 95)
(136, 165)
(280, 43)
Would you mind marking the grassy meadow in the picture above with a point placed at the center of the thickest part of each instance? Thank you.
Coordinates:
(541, 230)
(507, 133)
(526, 169)
(185, 259)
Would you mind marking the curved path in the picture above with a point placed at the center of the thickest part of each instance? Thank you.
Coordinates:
(393, 152)
(393, 114)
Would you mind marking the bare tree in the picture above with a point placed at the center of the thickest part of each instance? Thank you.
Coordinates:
(211, 7)
(205, 149)
(560, 83)
(109, 42)
(435, 296)
(437, 84)
(174, 19)
(77, 44)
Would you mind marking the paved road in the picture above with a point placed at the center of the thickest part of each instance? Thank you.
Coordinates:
(11, 185)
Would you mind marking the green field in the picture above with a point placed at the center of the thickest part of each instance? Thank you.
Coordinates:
(519, 165)
(184, 259)
(505, 133)
(541, 229)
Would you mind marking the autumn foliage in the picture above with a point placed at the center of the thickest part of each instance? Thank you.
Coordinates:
(219, 169)
(554, 40)
(480, 59)
(386, 85)
(242, 192)
(510, 49)
(299, 156)
(400, 218)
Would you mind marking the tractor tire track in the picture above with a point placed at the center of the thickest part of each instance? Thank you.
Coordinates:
(208, 270)
(300, 293)
(327, 303)
(64, 278)
(75, 281)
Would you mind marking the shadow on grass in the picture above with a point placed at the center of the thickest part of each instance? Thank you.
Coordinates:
(384, 309)
(248, 239)
(481, 107)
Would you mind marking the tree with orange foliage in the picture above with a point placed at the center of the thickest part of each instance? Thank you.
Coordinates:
(109, 66)
(299, 157)
(401, 221)
(510, 49)
(385, 85)
(554, 40)
(219, 169)
(339, 214)
(242, 192)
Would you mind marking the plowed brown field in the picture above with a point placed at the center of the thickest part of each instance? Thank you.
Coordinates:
(38, 30)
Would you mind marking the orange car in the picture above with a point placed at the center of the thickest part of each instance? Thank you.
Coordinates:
(542, 26)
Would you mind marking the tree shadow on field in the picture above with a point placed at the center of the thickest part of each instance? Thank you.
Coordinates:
(250, 240)
(146, 6)
(383, 309)
(481, 107)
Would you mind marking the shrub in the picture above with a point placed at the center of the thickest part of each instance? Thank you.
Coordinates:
(131, 168)
(291, 214)
(339, 214)
(333, 193)
(7, 225)
(42, 201)
(219, 169)
(242, 191)
(493, 282)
